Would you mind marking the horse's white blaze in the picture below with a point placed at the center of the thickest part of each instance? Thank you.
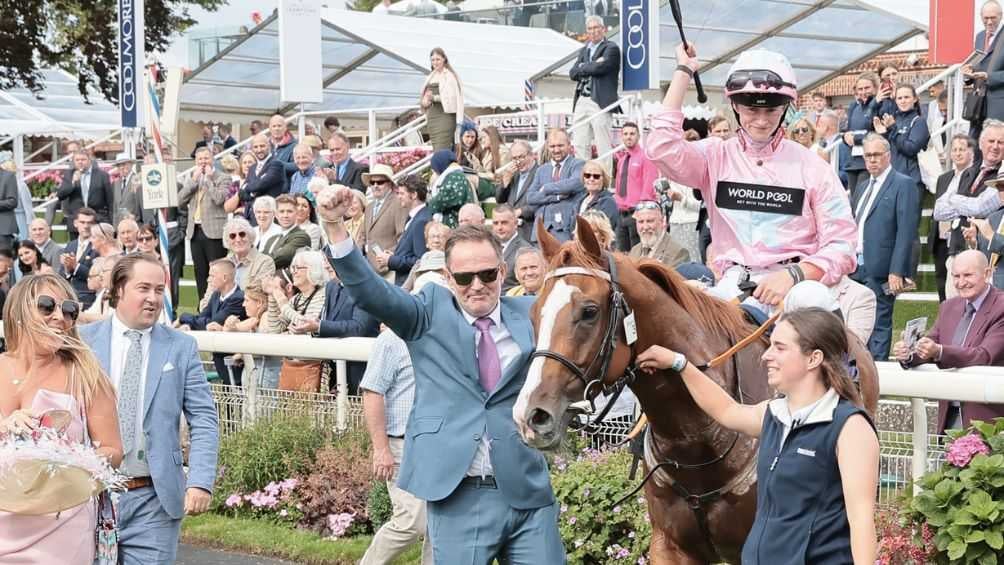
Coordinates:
(560, 296)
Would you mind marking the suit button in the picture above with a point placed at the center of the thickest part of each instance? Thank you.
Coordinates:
(477, 437)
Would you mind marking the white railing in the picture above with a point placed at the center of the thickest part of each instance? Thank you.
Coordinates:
(920, 384)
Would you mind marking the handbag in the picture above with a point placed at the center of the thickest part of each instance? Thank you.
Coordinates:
(106, 534)
(297, 374)
(974, 110)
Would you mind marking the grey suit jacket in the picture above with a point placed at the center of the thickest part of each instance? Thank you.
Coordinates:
(452, 410)
(509, 256)
(667, 252)
(175, 385)
(51, 252)
(214, 193)
(8, 203)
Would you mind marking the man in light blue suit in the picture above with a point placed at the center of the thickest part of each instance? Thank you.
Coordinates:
(554, 184)
(158, 376)
(489, 495)
(887, 211)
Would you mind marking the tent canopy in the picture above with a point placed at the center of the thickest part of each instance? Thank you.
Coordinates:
(59, 110)
(821, 38)
(374, 60)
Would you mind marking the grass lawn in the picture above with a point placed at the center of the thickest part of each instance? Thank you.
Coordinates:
(905, 311)
(259, 537)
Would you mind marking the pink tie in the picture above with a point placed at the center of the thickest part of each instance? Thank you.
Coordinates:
(489, 367)
(986, 42)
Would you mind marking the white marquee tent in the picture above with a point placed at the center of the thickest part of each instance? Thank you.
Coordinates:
(58, 110)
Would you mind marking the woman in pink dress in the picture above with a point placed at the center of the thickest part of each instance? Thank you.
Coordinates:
(46, 368)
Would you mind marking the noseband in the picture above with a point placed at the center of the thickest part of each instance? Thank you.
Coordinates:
(591, 378)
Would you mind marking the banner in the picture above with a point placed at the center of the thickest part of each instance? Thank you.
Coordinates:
(131, 62)
(300, 51)
(951, 30)
(160, 186)
(639, 44)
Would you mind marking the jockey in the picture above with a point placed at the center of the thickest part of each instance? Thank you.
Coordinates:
(779, 214)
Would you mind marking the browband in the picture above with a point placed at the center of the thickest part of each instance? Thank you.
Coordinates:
(562, 271)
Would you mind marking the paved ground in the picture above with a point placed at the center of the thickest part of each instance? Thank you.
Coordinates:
(191, 555)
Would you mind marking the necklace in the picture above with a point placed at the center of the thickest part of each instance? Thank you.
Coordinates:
(16, 381)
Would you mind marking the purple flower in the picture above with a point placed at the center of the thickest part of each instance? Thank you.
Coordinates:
(622, 553)
(617, 509)
(234, 500)
(962, 450)
(339, 523)
(571, 520)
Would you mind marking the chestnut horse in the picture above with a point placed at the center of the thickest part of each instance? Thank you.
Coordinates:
(702, 496)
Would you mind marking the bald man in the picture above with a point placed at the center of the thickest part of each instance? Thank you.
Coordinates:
(969, 332)
(266, 178)
(41, 235)
(472, 214)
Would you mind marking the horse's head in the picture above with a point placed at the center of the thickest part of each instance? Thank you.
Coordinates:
(578, 341)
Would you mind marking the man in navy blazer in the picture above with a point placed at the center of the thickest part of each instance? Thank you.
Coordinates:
(160, 492)
(886, 206)
(411, 193)
(267, 177)
(227, 299)
(489, 495)
(596, 72)
(75, 262)
(556, 181)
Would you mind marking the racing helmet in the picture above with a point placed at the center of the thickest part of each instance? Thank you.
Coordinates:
(761, 78)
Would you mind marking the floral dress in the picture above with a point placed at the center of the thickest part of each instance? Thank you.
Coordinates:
(450, 193)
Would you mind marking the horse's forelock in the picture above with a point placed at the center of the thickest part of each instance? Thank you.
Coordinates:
(572, 254)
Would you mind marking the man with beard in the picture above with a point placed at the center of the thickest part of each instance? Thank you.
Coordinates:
(655, 243)
(266, 178)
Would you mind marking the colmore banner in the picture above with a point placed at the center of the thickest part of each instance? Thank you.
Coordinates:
(639, 44)
(131, 62)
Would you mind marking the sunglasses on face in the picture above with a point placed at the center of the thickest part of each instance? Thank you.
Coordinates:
(760, 79)
(145, 238)
(379, 182)
(486, 276)
(240, 234)
(47, 305)
(800, 130)
(594, 176)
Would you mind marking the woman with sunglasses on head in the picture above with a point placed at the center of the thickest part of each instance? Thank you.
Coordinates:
(103, 240)
(253, 266)
(802, 133)
(778, 212)
(29, 260)
(48, 374)
(817, 463)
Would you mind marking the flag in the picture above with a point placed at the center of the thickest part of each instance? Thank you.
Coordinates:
(529, 93)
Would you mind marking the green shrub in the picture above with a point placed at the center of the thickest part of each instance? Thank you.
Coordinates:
(378, 504)
(271, 450)
(593, 530)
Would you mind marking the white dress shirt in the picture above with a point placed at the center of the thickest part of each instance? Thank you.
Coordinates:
(863, 214)
(273, 229)
(132, 464)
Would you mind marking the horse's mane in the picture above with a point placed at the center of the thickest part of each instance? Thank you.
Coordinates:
(710, 312)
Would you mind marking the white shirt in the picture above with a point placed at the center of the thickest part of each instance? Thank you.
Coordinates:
(507, 348)
(863, 215)
(412, 213)
(273, 229)
(132, 465)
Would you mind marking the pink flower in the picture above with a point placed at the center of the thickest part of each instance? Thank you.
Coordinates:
(571, 520)
(234, 500)
(288, 485)
(339, 523)
(962, 450)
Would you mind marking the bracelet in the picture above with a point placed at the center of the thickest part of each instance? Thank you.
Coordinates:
(796, 273)
(686, 69)
(679, 363)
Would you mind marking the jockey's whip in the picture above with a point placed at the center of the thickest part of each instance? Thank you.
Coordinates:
(674, 5)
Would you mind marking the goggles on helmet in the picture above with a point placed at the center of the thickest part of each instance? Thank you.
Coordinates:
(760, 79)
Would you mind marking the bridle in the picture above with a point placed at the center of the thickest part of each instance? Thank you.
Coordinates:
(592, 376)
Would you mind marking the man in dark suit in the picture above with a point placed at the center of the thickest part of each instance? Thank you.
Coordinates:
(79, 254)
(226, 300)
(886, 206)
(87, 186)
(283, 246)
(266, 178)
(8, 203)
(990, 15)
(341, 317)
(595, 72)
(344, 170)
(969, 332)
(961, 154)
(515, 183)
(556, 181)
(411, 193)
(504, 228)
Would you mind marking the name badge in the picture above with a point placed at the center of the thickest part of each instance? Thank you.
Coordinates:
(806, 452)
(759, 198)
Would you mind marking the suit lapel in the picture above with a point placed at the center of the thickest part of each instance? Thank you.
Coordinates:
(160, 345)
(103, 345)
(981, 319)
(877, 200)
(522, 332)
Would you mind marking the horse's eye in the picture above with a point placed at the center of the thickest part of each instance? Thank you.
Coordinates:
(590, 312)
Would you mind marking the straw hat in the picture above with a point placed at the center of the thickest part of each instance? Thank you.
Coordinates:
(379, 170)
(35, 487)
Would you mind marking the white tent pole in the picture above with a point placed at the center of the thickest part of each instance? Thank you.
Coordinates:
(19, 157)
(371, 127)
(301, 125)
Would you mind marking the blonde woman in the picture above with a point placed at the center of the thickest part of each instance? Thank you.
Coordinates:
(355, 215)
(601, 227)
(233, 202)
(103, 240)
(442, 100)
(802, 133)
(48, 368)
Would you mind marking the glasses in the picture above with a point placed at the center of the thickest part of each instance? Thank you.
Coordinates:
(800, 130)
(47, 305)
(379, 182)
(760, 79)
(594, 176)
(647, 205)
(874, 155)
(518, 157)
(240, 234)
(145, 238)
(296, 268)
(486, 276)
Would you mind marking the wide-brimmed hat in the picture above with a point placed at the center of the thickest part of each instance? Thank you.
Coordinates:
(998, 181)
(123, 158)
(313, 141)
(37, 487)
(379, 170)
(431, 261)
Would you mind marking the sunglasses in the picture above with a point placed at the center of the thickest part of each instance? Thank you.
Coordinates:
(647, 205)
(379, 182)
(240, 234)
(47, 305)
(594, 176)
(486, 276)
(145, 238)
(800, 130)
(760, 79)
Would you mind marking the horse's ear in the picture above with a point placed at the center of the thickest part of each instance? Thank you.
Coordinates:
(587, 239)
(548, 244)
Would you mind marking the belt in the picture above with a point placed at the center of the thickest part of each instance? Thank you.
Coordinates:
(396, 437)
(479, 482)
(138, 482)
